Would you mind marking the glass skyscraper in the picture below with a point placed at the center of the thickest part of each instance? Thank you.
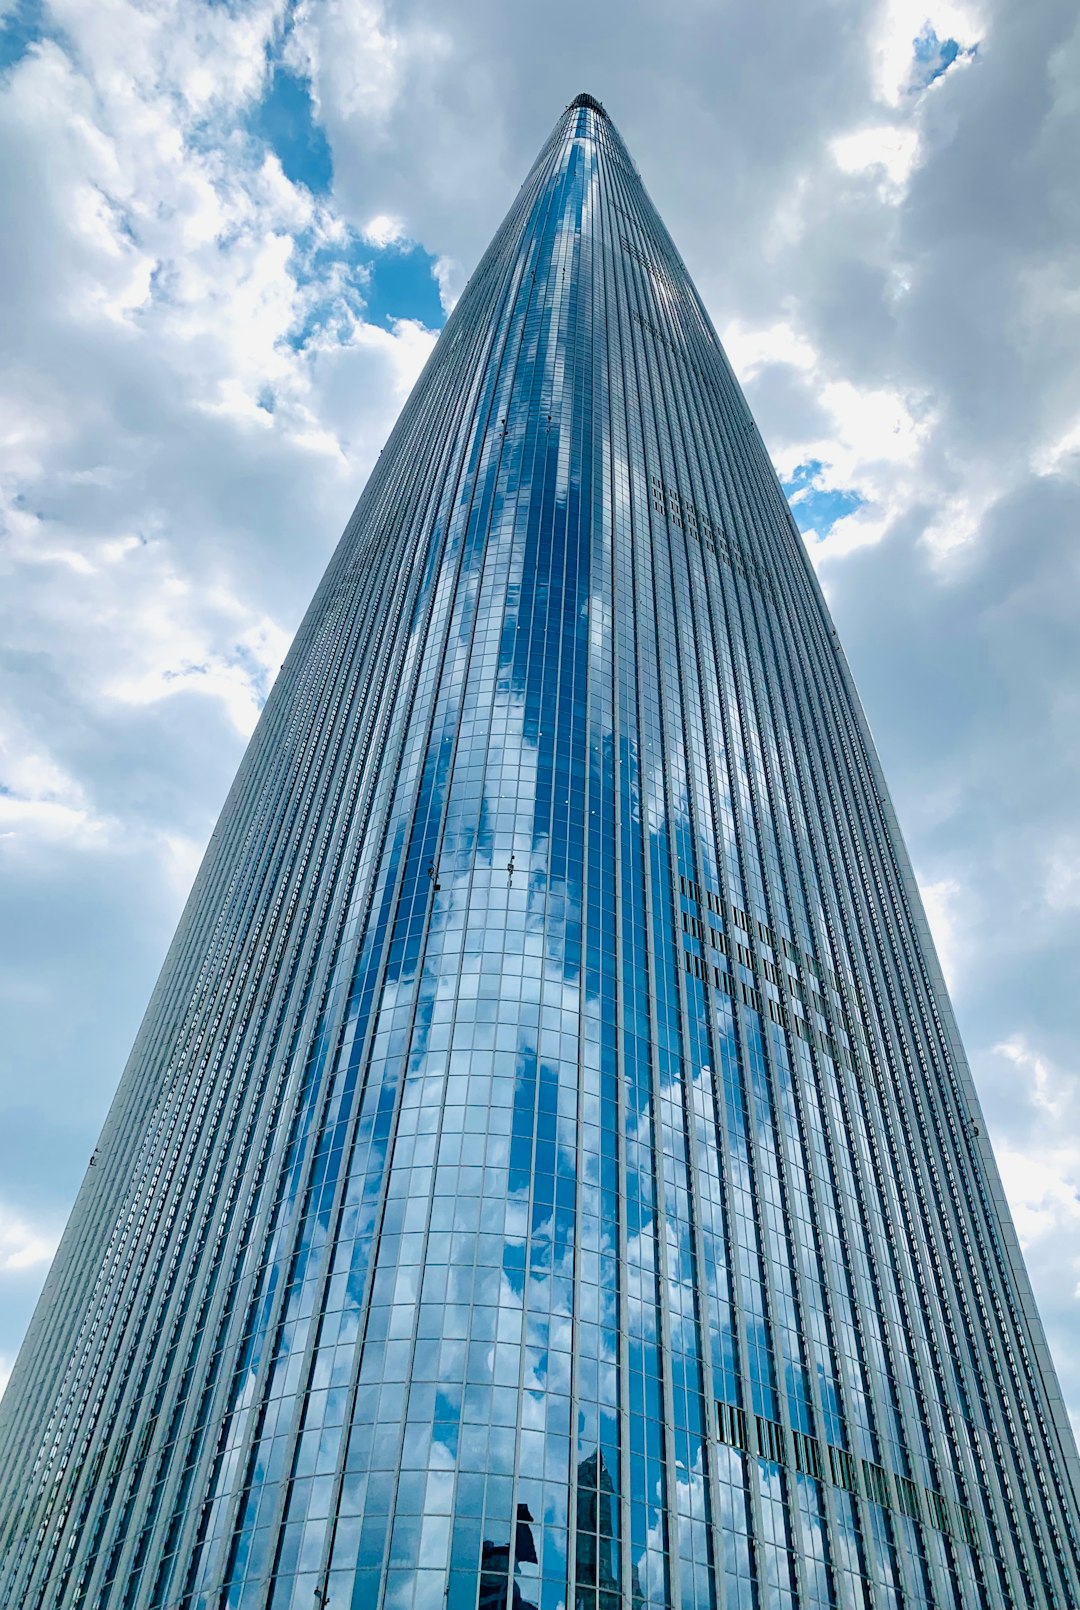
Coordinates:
(548, 1173)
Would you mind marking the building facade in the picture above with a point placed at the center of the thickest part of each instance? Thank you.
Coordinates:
(548, 1173)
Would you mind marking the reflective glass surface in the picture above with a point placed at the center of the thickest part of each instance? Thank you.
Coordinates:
(548, 1173)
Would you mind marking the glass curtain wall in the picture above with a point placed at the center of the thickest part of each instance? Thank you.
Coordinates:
(548, 1174)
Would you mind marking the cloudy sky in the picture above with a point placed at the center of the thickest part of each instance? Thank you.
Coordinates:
(229, 236)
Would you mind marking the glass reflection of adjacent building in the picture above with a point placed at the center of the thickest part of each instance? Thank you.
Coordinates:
(595, 1555)
(548, 1174)
(501, 1567)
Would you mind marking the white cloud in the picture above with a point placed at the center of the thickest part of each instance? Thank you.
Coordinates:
(748, 348)
(358, 58)
(954, 524)
(382, 230)
(901, 23)
(450, 278)
(23, 1245)
(940, 900)
(1043, 1188)
(40, 803)
(1046, 1088)
(872, 425)
(1058, 455)
(889, 147)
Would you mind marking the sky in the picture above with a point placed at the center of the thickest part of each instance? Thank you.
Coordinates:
(229, 236)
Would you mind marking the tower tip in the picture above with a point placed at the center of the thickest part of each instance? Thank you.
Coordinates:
(587, 100)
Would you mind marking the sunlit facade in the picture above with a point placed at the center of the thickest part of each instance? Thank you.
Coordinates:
(548, 1174)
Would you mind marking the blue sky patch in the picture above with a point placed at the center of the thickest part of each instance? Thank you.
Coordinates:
(934, 57)
(803, 477)
(378, 285)
(20, 29)
(817, 508)
(285, 119)
(403, 286)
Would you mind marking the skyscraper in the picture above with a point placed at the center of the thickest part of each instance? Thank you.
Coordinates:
(548, 1173)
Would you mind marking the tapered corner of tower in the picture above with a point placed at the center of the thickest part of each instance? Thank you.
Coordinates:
(587, 100)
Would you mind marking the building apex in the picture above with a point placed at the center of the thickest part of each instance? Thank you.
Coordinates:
(587, 100)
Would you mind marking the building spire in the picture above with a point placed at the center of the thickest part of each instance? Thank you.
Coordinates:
(587, 100)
